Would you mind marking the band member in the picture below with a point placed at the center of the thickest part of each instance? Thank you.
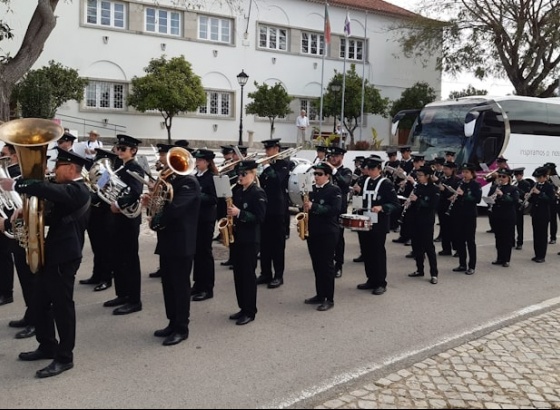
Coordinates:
(393, 162)
(406, 187)
(542, 199)
(379, 200)
(321, 154)
(463, 219)
(406, 159)
(11, 253)
(524, 187)
(506, 199)
(204, 271)
(554, 206)
(357, 167)
(126, 232)
(99, 231)
(438, 169)
(357, 188)
(492, 178)
(176, 247)
(273, 230)
(53, 303)
(66, 142)
(451, 180)
(227, 152)
(450, 156)
(342, 178)
(424, 201)
(248, 211)
(323, 209)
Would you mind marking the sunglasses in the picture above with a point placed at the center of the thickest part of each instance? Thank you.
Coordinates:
(503, 176)
(122, 148)
(242, 174)
(319, 174)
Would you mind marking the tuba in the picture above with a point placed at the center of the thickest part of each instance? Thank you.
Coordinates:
(31, 137)
(109, 187)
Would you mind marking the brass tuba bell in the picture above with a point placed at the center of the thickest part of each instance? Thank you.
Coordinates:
(30, 138)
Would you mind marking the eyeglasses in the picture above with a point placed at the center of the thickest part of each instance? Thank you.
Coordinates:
(122, 148)
(319, 174)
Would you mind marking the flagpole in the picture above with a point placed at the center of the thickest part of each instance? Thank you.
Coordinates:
(366, 49)
(347, 31)
(326, 44)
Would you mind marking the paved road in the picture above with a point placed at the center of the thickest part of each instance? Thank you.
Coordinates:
(291, 352)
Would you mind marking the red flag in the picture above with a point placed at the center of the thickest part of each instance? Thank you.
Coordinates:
(327, 25)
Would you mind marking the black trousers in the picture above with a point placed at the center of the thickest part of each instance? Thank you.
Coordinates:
(244, 257)
(464, 228)
(423, 244)
(540, 233)
(127, 259)
(26, 279)
(519, 225)
(553, 219)
(6, 267)
(273, 246)
(504, 232)
(339, 250)
(375, 257)
(176, 284)
(446, 229)
(53, 305)
(99, 232)
(406, 227)
(204, 273)
(322, 249)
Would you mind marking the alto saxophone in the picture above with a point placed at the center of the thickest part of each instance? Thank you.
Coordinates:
(225, 225)
(302, 220)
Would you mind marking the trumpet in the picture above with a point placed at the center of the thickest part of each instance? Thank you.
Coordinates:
(490, 174)
(396, 172)
(281, 155)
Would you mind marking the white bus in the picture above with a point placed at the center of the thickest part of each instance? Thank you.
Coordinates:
(524, 130)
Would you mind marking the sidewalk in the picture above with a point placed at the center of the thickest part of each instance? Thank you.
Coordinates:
(515, 367)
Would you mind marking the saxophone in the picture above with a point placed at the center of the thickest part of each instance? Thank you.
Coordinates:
(302, 220)
(225, 225)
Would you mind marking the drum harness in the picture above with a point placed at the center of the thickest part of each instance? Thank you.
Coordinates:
(370, 197)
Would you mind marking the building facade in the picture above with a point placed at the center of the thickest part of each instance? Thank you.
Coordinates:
(111, 41)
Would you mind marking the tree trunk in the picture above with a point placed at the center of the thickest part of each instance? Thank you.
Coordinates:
(40, 28)
(168, 125)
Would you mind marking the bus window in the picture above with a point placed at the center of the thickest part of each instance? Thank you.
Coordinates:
(531, 119)
(490, 138)
(553, 120)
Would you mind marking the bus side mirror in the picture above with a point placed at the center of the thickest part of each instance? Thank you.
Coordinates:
(470, 123)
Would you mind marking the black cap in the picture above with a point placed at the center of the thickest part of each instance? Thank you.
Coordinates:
(67, 137)
(504, 171)
(323, 167)
(359, 158)
(425, 170)
(518, 171)
(182, 143)
(128, 141)
(430, 163)
(321, 148)
(71, 157)
(246, 165)
(501, 159)
(102, 153)
(450, 153)
(405, 148)
(439, 160)
(468, 167)
(242, 149)
(275, 142)
(417, 157)
(204, 154)
(227, 149)
(550, 165)
(164, 148)
(373, 161)
(337, 151)
(541, 172)
(391, 151)
(451, 165)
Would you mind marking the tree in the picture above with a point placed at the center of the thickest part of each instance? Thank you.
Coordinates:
(271, 102)
(470, 90)
(373, 102)
(413, 98)
(13, 69)
(170, 87)
(42, 92)
(512, 38)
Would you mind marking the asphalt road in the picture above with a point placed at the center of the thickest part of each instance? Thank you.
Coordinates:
(288, 352)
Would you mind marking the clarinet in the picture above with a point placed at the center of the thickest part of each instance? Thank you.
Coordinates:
(454, 198)
(406, 205)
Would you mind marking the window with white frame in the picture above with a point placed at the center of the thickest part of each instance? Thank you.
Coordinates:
(273, 38)
(106, 13)
(105, 95)
(215, 29)
(355, 49)
(218, 103)
(313, 44)
(310, 109)
(163, 21)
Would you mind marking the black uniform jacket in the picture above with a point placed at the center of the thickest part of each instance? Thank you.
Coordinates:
(343, 180)
(274, 181)
(67, 217)
(542, 202)
(386, 198)
(506, 205)
(467, 204)
(426, 204)
(180, 219)
(136, 187)
(453, 182)
(323, 215)
(208, 199)
(252, 203)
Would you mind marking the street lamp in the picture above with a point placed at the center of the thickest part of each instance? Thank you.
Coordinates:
(242, 79)
(335, 88)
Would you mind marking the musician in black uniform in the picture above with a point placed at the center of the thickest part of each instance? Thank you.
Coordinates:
(492, 178)
(176, 247)
(393, 162)
(554, 207)
(204, 271)
(403, 188)
(450, 156)
(321, 154)
(66, 142)
(126, 232)
(273, 230)
(248, 211)
(342, 178)
(418, 162)
(542, 199)
(503, 216)
(356, 189)
(524, 187)
(323, 209)
(451, 180)
(407, 163)
(463, 219)
(379, 200)
(53, 302)
(424, 201)
(221, 210)
(437, 179)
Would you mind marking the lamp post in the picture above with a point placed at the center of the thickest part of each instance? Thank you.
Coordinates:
(242, 79)
(335, 88)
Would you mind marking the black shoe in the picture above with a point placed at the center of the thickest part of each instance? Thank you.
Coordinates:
(399, 240)
(460, 269)
(54, 369)
(539, 260)
(18, 324)
(519, 247)
(365, 286)
(469, 272)
(175, 338)
(408, 243)
(552, 242)
(26, 333)
(168, 331)
(128, 309)
(230, 267)
(338, 273)
(102, 286)
(379, 291)
(326, 305)
(227, 263)
(444, 253)
(116, 302)
(315, 300)
(416, 274)
(35, 355)
(505, 264)
(199, 297)
(358, 259)
(434, 280)
(489, 231)
(276, 283)
(263, 280)
(90, 281)
(236, 316)
(497, 262)
(410, 255)
(438, 239)
(244, 319)
(4, 300)
(155, 275)
(456, 255)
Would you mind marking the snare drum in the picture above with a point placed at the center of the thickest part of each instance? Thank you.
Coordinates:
(355, 222)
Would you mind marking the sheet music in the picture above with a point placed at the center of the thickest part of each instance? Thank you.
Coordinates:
(489, 200)
(555, 180)
(223, 186)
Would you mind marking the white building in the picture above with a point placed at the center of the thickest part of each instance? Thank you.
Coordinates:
(111, 41)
